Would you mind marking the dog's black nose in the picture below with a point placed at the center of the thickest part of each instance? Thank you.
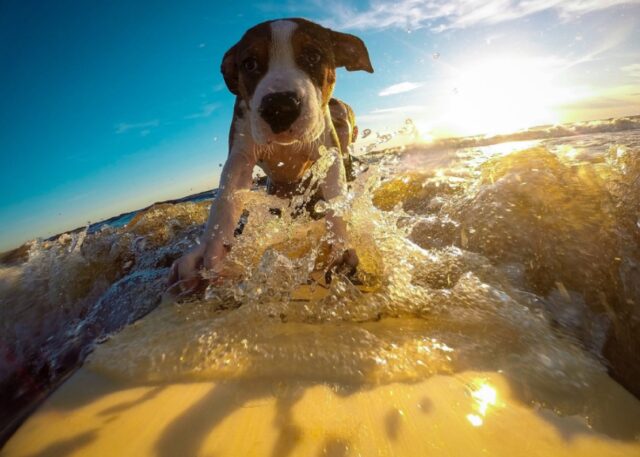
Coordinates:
(280, 110)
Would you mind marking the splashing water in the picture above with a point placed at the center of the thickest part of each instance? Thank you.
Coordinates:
(515, 258)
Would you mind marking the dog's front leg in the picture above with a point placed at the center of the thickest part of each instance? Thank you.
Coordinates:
(343, 256)
(217, 238)
(226, 209)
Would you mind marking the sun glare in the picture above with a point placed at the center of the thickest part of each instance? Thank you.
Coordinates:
(484, 395)
(504, 95)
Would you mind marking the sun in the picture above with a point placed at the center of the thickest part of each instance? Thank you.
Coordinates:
(502, 95)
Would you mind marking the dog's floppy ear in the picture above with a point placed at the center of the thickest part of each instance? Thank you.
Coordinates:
(229, 70)
(350, 52)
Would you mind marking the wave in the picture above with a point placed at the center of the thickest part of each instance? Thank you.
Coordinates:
(521, 259)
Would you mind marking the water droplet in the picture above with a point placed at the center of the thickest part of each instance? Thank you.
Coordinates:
(320, 207)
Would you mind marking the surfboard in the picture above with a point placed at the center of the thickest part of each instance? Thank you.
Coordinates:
(471, 413)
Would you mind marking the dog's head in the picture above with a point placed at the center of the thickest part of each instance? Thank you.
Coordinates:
(284, 70)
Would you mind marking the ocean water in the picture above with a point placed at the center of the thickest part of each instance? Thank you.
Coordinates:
(517, 255)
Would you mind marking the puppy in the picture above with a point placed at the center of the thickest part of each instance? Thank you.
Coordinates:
(283, 73)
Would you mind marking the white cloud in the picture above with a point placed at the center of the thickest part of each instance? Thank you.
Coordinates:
(219, 87)
(143, 127)
(399, 109)
(206, 111)
(399, 88)
(439, 15)
(385, 114)
(632, 70)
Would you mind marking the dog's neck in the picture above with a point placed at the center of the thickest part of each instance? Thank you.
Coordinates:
(288, 163)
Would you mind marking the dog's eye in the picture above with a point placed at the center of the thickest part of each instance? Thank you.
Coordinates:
(250, 64)
(313, 57)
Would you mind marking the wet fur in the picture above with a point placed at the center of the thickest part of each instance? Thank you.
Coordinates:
(278, 56)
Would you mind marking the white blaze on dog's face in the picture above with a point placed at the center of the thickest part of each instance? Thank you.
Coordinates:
(284, 71)
(289, 105)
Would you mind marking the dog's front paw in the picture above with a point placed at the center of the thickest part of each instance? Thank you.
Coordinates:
(345, 264)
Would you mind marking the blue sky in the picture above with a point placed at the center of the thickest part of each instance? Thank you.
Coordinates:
(106, 107)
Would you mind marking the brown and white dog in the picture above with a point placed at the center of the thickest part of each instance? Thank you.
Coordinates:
(283, 73)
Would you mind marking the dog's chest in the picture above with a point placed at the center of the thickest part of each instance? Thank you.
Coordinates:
(286, 163)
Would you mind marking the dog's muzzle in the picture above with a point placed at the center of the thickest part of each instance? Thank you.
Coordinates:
(280, 110)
